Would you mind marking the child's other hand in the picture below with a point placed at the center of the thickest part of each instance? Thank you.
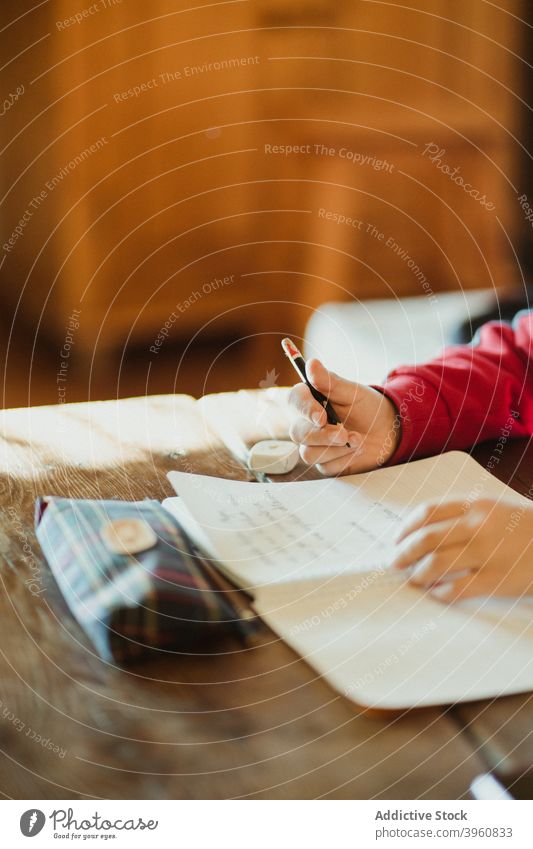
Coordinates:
(370, 424)
(458, 554)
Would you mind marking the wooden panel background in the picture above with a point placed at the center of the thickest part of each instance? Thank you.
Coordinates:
(181, 189)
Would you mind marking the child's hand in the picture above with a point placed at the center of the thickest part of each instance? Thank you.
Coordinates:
(485, 550)
(370, 424)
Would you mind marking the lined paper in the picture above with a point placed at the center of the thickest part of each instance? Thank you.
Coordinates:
(279, 532)
(315, 555)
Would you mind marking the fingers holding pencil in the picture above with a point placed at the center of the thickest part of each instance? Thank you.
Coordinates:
(302, 404)
(366, 416)
(306, 432)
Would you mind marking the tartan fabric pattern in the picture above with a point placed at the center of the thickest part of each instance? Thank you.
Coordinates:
(160, 598)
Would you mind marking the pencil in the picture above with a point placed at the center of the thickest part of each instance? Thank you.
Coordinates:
(298, 362)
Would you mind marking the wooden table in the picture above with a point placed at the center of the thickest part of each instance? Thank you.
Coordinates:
(254, 723)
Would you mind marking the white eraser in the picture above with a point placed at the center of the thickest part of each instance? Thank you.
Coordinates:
(273, 456)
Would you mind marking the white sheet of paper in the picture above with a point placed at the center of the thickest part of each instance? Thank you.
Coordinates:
(272, 533)
(385, 644)
(315, 556)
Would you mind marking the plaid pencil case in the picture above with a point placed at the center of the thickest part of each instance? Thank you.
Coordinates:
(133, 579)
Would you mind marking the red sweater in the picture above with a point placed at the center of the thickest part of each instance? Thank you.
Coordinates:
(469, 394)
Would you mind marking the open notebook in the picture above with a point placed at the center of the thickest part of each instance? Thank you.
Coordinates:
(314, 555)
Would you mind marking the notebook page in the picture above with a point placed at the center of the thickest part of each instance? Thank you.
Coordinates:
(386, 644)
(280, 532)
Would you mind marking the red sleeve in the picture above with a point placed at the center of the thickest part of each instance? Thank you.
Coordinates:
(467, 395)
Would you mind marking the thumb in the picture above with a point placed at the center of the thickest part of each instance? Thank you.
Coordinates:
(335, 388)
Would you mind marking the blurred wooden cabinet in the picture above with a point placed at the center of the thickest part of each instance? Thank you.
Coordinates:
(160, 149)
